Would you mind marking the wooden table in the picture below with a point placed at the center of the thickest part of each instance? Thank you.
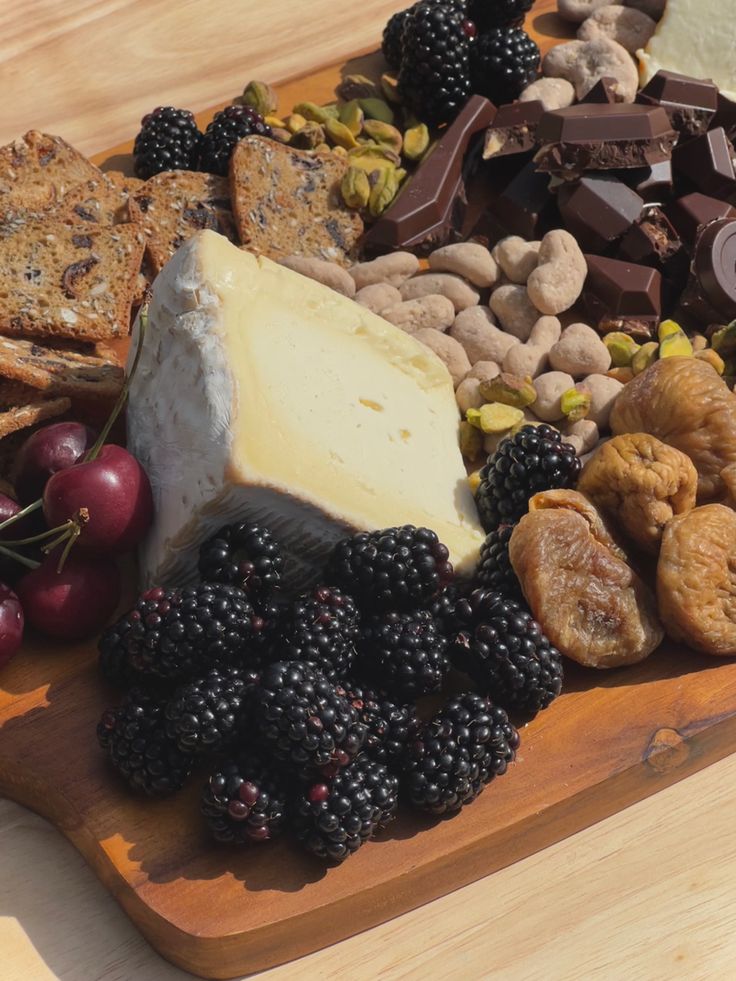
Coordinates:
(645, 894)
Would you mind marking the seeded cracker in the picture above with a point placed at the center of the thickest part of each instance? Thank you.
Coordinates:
(29, 415)
(58, 372)
(287, 202)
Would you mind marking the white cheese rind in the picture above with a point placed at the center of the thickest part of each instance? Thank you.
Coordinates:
(262, 395)
(696, 38)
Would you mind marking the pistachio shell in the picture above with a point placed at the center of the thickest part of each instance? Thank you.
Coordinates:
(416, 142)
(355, 188)
(340, 134)
(384, 134)
(644, 357)
(352, 116)
(377, 109)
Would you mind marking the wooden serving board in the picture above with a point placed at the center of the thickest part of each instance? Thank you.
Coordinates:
(612, 738)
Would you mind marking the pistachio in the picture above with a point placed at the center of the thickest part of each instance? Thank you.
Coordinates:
(675, 344)
(379, 155)
(667, 328)
(494, 417)
(471, 441)
(340, 134)
(724, 340)
(713, 358)
(644, 357)
(622, 374)
(699, 342)
(575, 403)
(377, 109)
(314, 113)
(281, 134)
(509, 389)
(416, 142)
(294, 122)
(474, 481)
(340, 151)
(355, 188)
(383, 191)
(622, 348)
(390, 88)
(259, 96)
(384, 134)
(310, 136)
(352, 116)
(401, 175)
(356, 87)
(323, 148)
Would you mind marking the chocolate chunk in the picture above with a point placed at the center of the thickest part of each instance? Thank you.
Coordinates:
(714, 265)
(513, 130)
(525, 207)
(651, 183)
(689, 102)
(604, 91)
(691, 211)
(725, 116)
(429, 208)
(622, 296)
(708, 162)
(597, 210)
(603, 137)
(652, 241)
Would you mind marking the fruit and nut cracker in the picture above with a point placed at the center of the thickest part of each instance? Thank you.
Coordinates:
(25, 416)
(58, 372)
(71, 281)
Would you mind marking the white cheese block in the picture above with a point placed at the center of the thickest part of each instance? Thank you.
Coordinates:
(696, 38)
(264, 396)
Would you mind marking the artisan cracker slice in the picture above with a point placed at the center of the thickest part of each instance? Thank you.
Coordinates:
(97, 200)
(25, 416)
(39, 169)
(59, 372)
(287, 202)
(174, 205)
(14, 393)
(71, 281)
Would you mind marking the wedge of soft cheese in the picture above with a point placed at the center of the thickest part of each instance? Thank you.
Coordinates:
(263, 396)
(696, 38)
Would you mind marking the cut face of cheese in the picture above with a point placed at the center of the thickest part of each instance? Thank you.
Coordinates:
(696, 38)
(263, 396)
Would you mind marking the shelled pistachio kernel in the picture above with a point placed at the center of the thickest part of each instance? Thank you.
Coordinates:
(713, 358)
(644, 357)
(355, 188)
(724, 340)
(676, 345)
(416, 142)
(494, 417)
(351, 115)
(356, 87)
(390, 88)
(314, 113)
(371, 158)
(471, 441)
(575, 403)
(474, 481)
(667, 328)
(340, 134)
(622, 348)
(294, 122)
(377, 109)
(383, 191)
(259, 96)
(509, 389)
(309, 137)
(384, 134)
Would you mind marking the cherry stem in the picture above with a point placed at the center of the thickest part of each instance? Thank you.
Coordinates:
(42, 536)
(21, 514)
(73, 536)
(28, 563)
(93, 453)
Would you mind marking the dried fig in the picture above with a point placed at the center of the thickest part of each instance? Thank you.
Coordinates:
(579, 586)
(685, 403)
(696, 579)
(640, 483)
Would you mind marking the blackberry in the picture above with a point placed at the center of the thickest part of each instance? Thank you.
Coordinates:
(434, 78)
(135, 739)
(461, 750)
(244, 801)
(533, 459)
(333, 820)
(173, 634)
(303, 720)
(502, 63)
(208, 713)
(169, 139)
(228, 127)
(321, 627)
(494, 569)
(505, 652)
(487, 14)
(391, 42)
(391, 726)
(404, 652)
(244, 555)
(397, 568)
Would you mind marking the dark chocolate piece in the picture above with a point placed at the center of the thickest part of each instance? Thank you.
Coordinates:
(725, 116)
(688, 213)
(430, 207)
(513, 130)
(714, 265)
(689, 102)
(653, 184)
(603, 137)
(622, 296)
(652, 241)
(597, 210)
(605, 90)
(708, 162)
(525, 207)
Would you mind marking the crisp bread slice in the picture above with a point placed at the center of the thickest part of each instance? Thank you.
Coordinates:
(287, 202)
(71, 281)
(56, 372)
(173, 205)
(98, 199)
(15, 393)
(39, 169)
(24, 416)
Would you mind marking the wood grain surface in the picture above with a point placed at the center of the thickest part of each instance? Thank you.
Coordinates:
(606, 891)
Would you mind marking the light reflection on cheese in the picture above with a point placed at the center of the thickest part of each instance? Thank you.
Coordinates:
(262, 395)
